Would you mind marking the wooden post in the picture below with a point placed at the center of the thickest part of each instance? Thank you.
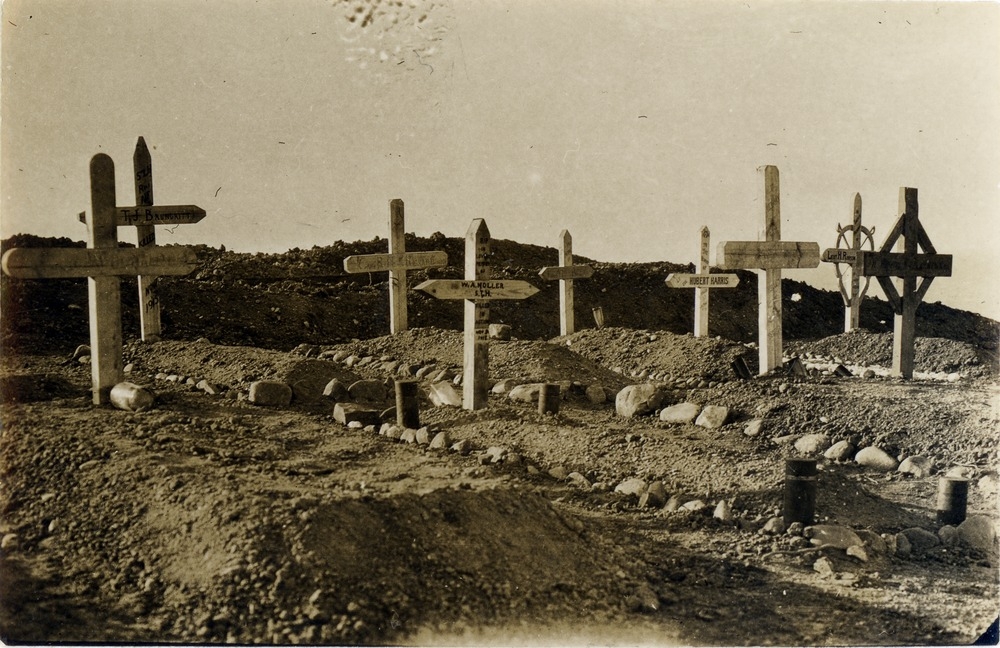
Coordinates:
(769, 256)
(851, 256)
(907, 264)
(397, 262)
(701, 293)
(477, 290)
(149, 299)
(702, 282)
(104, 292)
(475, 389)
(566, 272)
(102, 262)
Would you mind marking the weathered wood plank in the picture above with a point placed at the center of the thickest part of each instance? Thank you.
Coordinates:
(149, 299)
(477, 290)
(767, 255)
(701, 295)
(62, 263)
(158, 215)
(397, 274)
(104, 292)
(905, 264)
(475, 388)
(563, 273)
(702, 281)
(395, 261)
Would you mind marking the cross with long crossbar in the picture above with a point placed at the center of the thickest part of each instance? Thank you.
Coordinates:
(102, 262)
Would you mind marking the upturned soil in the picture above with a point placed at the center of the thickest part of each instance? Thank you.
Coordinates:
(211, 519)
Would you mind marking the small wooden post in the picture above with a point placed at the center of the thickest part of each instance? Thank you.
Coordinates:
(104, 292)
(475, 389)
(852, 310)
(397, 262)
(702, 282)
(566, 272)
(149, 299)
(548, 399)
(770, 256)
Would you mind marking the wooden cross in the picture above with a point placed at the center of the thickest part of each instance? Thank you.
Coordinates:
(702, 282)
(770, 256)
(144, 217)
(908, 265)
(851, 256)
(566, 272)
(477, 290)
(102, 262)
(397, 262)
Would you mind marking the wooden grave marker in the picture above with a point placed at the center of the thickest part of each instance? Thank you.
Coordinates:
(102, 262)
(477, 290)
(702, 283)
(145, 217)
(769, 256)
(396, 262)
(908, 265)
(565, 273)
(851, 256)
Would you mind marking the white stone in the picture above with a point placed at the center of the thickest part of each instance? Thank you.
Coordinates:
(840, 451)
(810, 444)
(525, 393)
(131, 397)
(638, 400)
(872, 457)
(917, 466)
(632, 486)
(443, 394)
(680, 414)
(754, 427)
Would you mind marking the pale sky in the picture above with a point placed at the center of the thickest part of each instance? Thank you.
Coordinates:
(631, 124)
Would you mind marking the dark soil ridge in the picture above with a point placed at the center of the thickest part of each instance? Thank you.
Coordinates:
(304, 296)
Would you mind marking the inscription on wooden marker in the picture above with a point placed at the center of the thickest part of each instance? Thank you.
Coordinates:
(769, 256)
(103, 262)
(702, 282)
(908, 265)
(851, 256)
(396, 262)
(477, 289)
(565, 273)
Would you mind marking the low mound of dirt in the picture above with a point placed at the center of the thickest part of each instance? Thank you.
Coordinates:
(930, 354)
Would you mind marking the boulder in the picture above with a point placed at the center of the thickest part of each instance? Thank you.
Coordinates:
(131, 397)
(979, 532)
(639, 400)
(443, 394)
(595, 394)
(712, 417)
(499, 331)
(840, 451)
(632, 486)
(921, 540)
(440, 441)
(754, 427)
(917, 466)
(336, 390)
(680, 414)
(367, 391)
(344, 413)
(269, 393)
(811, 444)
(525, 393)
(872, 457)
(504, 386)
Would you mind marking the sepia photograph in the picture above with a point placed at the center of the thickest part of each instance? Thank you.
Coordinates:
(500, 322)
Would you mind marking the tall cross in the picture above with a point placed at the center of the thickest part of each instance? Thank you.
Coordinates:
(851, 256)
(770, 256)
(566, 272)
(702, 282)
(102, 262)
(908, 265)
(397, 262)
(145, 217)
(477, 290)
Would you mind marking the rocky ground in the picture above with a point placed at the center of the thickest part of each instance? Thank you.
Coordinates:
(213, 518)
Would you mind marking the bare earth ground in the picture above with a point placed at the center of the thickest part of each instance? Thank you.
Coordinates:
(210, 519)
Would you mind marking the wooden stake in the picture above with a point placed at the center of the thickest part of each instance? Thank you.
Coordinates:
(475, 390)
(566, 272)
(701, 293)
(149, 298)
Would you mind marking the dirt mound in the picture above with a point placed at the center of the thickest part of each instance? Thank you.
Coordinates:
(930, 354)
(304, 296)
